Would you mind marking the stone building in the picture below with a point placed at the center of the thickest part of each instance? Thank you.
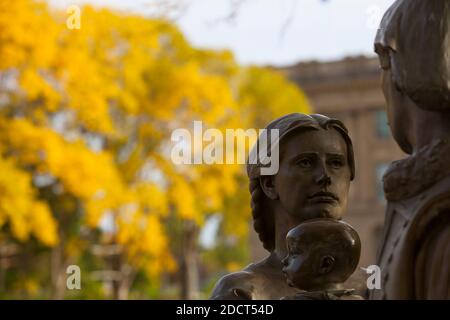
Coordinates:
(350, 90)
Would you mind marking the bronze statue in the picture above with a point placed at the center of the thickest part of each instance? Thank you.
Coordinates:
(322, 255)
(316, 166)
(413, 44)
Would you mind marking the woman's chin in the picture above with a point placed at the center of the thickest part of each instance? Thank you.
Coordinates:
(320, 210)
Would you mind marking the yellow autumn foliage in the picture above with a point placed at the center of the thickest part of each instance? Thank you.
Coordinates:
(21, 209)
(88, 115)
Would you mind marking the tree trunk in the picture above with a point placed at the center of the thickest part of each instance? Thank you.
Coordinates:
(121, 284)
(2, 271)
(189, 263)
(125, 282)
(57, 273)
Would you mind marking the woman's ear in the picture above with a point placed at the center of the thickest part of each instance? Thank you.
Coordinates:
(268, 186)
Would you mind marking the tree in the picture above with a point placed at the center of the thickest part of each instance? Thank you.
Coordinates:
(86, 118)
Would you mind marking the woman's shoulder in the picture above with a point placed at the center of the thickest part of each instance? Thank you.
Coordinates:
(433, 262)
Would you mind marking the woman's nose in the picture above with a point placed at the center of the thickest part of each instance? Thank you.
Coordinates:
(322, 176)
(324, 180)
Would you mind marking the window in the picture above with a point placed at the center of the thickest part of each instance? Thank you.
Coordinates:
(379, 172)
(382, 124)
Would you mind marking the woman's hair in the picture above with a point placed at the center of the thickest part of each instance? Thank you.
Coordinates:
(263, 217)
(414, 42)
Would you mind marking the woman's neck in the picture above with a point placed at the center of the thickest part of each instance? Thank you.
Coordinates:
(283, 223)
(428, 126)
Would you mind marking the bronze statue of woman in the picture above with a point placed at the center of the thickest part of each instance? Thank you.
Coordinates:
(316, 165)
(413, 44)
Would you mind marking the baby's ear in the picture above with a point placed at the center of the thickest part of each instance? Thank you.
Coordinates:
(326, 264)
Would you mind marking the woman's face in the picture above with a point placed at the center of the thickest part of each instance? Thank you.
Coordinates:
(314, 175)
(398, 110)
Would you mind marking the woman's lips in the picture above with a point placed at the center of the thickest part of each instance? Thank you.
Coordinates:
(323, 197)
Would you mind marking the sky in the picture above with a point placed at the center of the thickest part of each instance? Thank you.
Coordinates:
(267, 32)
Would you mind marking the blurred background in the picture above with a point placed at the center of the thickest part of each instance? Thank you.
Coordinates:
(90, 93)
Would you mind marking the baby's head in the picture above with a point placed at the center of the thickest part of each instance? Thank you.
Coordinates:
(321, 253)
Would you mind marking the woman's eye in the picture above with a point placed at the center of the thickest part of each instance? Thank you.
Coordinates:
(336, 163)
(305, 163)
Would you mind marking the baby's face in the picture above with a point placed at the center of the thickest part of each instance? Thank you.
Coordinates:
(321, 253)
(297, 266)
(308, 265)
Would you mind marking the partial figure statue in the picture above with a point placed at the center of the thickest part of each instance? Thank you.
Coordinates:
(413, 44)
(322, 255)
(316, 166)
